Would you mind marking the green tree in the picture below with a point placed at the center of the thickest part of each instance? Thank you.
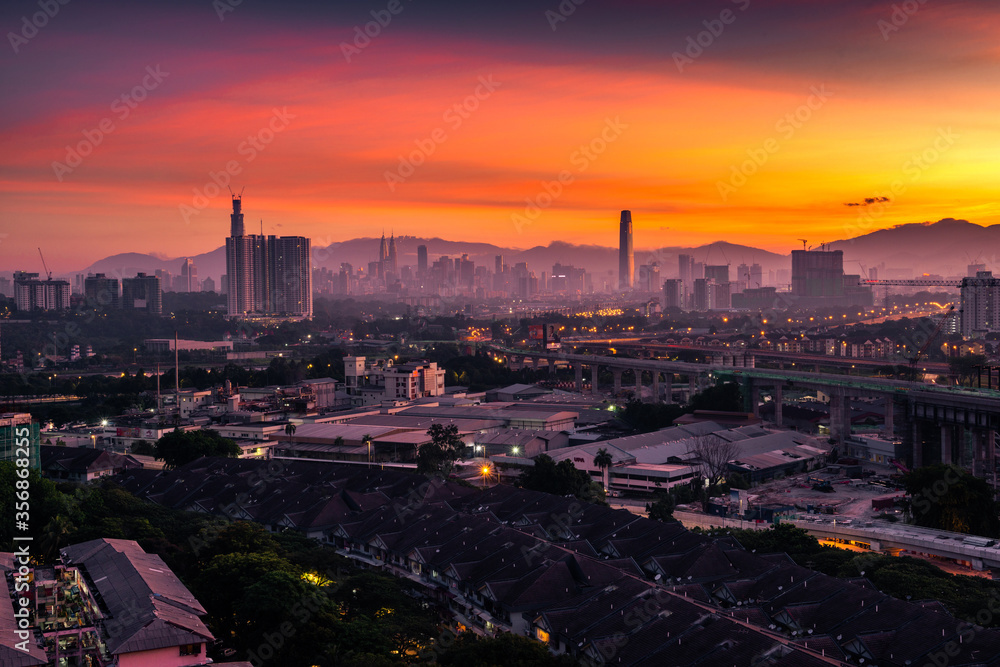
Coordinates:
(178, 447)
(438, 456)
(948, 498)
(562, 479)
(662, 509)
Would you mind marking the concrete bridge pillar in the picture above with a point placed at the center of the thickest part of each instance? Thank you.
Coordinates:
(552, 366)
(947, 456)
(840, 416)
(638, 384)
(656, 387)
(890, 418)
(578, 370)
(594, 369)
(616, 373)
(669, 387)
(692, 385)
(534, 363)
(918, 445)
(778, 404)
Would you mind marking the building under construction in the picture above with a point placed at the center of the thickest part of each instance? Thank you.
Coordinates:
(818, 281)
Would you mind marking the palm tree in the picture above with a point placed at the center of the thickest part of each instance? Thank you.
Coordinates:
(289, 431)
(603, 461)
(55, 532)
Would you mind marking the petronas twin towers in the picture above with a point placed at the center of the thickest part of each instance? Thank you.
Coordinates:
(387, 262)
(269, 276)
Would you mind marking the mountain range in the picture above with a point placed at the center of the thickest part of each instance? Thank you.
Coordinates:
(944, 247)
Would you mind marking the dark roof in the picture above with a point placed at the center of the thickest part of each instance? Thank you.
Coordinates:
(149, 605)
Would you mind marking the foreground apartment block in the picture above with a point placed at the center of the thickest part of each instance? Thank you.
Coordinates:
(107, 602)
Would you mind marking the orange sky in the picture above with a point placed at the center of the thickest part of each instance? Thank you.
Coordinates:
(918, 111)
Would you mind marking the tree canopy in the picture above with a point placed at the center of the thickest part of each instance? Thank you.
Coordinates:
(179, 447)
(561, 479)
(948, 498)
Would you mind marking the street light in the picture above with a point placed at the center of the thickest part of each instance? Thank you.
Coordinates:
(485, 472)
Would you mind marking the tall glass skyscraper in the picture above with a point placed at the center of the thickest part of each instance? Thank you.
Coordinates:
(626, 258)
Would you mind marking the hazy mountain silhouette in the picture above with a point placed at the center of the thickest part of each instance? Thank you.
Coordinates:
(945, 247)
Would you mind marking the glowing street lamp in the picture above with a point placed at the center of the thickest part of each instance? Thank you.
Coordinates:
(485, 472)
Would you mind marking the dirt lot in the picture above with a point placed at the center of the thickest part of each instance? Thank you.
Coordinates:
(850, 499)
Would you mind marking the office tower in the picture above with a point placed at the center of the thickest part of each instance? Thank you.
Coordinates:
(224, 284)
(979, 312)
(101, 292)
(142, 293)
(189, 276)
(30, 293)
(626, 259)
(673, 293)
(392, 265)
(239, 264)
(267, 275)
(208, 285)
(421, 261)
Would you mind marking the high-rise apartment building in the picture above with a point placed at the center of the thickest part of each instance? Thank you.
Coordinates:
(30, 293)
(142, 293)
(268, 276)
(626, 257)
(101, 292)
(673, 293)
(980, 310)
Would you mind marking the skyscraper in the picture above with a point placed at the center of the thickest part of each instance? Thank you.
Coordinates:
(189, 276)
(626, 259)
(421, 261)
(392, 265)
(267, 275)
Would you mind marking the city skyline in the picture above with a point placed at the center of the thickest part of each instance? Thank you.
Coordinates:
(703, 136)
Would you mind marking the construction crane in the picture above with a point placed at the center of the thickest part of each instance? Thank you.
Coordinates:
(915, 359)
(803, 243)
(48, 274)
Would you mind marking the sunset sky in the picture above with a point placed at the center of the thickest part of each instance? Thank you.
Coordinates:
(837, 101)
